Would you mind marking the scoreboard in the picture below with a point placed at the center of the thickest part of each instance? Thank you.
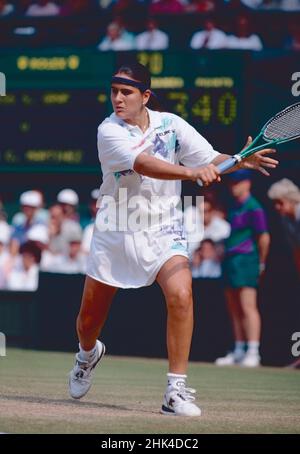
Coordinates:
(55, 102)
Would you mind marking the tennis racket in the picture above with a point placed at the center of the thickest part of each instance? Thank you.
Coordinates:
(283, 127)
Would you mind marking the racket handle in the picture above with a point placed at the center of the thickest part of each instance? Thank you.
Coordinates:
(225, 165)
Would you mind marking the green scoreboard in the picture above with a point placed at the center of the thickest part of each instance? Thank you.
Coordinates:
(55, 100)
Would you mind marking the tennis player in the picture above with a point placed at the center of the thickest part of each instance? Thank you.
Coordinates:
(140, 151)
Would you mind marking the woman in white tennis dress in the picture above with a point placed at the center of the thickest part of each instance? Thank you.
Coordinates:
(138, 236)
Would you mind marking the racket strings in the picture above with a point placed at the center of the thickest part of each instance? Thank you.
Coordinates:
(284, 125)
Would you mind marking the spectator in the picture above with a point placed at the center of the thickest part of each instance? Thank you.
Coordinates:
(117, 39)
(204, 222)
(246, 253)
(68, 199)
(209, 38)
(24, 275)
(152, 38)
(74, 260)
(6, 8)
(30, 202)
(59, 230)
(40, 216)
(244, 39)
(206, 261)
(286, 199)
(166, 7)
(43, 8)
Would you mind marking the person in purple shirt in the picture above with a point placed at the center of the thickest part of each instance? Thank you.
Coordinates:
(246, 253)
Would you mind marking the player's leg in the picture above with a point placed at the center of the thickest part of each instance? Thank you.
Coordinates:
(251, 324)
(175, 281)
(96, 301)
(232, 296)
(95, 304)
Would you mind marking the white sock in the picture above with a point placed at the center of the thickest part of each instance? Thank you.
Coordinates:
(239, 348)
(253, 347)
(87, 355)
(176, 380)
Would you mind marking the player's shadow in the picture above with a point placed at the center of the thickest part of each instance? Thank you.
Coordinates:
(70, 403)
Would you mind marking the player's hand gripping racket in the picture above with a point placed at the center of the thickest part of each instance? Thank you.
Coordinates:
(283, 127)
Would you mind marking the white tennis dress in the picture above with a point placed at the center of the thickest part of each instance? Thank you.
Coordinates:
(139, 225)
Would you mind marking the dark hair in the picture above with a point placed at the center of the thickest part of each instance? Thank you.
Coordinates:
(30, 247)
(139, 72)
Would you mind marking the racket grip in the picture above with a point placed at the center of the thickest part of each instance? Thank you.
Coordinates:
(225, 165)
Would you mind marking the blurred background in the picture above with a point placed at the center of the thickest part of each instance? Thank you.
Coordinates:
(226, 66)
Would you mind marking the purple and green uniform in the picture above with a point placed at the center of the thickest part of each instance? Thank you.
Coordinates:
(241, 264)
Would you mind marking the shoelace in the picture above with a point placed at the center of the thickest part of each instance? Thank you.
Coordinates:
(82, 369)
(186, 393)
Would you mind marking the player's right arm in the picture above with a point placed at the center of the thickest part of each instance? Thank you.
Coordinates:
(156, 168)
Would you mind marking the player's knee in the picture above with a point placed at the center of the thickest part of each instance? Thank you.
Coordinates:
(180, 303)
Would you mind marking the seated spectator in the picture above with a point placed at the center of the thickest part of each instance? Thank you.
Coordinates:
(204, 222)
(74, 260)
(6, 8)
(40, 216)
(68, 199)
(30, 202)
(59, 230)
(200, 6)
(152, 38)
(206, 262)
(286, 199)
(24, 275)
(244, 39)
(116, 39)
(209, 38)
(166, 7)
(43, 8)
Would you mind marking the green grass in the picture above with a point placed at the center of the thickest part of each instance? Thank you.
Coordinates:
(127, 394)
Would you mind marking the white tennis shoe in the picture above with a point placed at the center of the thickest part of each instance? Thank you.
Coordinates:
(250, 360)
(80, 378)
(230, 359)
(179, 401)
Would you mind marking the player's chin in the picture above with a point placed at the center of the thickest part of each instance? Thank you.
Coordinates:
(120, 112)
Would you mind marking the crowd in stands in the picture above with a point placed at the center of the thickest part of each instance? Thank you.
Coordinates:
(42, 8)
(140, 24)
(53, 239)
(57, 239)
